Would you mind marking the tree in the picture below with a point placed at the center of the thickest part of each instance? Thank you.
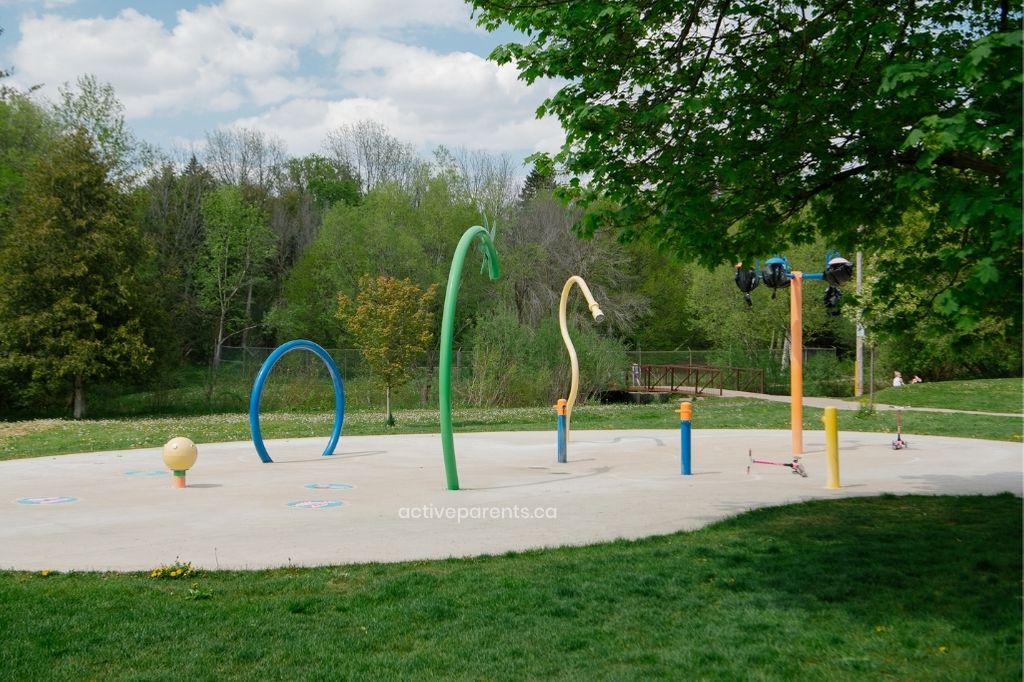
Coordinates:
(327, 181)
(170, 212)
(723, 131)
(377, 156)
(391, 322)
(673, 320)
(388, 233)
(536, 183)
(69, 306)
(539, 251)
(26, 131)
(939, 351)
(488, 181)
(93, 106)
(247, 158)
(312, 184)
(236, 248)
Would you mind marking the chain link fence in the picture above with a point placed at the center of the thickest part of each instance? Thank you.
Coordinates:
(248, 360)
(242, 363)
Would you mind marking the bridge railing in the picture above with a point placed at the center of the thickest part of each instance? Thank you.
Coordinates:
(695, 379)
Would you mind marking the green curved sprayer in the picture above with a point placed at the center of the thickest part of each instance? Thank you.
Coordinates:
(451, 296)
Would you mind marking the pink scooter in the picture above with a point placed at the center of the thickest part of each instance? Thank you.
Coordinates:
(795, 465)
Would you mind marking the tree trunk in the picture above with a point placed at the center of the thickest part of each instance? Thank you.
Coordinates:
(220, 340)
(387, 399)
(248, 316)
(79, 397)
(429, 381)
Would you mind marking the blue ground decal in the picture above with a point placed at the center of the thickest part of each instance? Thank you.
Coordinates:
(315, 504)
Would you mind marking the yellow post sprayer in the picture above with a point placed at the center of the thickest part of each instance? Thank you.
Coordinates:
(595, 310)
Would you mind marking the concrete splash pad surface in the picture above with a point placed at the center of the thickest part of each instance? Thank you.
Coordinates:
(383, 498)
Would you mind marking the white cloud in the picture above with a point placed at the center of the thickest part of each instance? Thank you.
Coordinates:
(300, 22)
(277, 89)
(456, 98)
(47, 4)
(200, 64)
(304, 123)
(424, 97)
(240, 62)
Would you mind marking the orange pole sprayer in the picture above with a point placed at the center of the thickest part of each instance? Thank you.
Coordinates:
(796, 362)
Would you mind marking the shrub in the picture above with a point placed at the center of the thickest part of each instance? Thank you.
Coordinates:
(514, 365)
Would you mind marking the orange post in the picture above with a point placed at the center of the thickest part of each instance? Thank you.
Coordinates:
(796, 362)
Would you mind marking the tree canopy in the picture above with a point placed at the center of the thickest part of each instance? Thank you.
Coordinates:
(390, 321)
(70, 304)
(236, 249)
(723, 130)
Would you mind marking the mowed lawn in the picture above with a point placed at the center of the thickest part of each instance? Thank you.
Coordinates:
(40, 437)
(910, 588)
(891, 587)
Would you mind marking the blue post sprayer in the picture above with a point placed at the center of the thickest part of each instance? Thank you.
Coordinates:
(560, 411)
(685, 415)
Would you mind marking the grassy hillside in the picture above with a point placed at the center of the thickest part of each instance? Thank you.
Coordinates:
(983, 395)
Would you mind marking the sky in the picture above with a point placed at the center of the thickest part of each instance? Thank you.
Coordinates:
(295, 69)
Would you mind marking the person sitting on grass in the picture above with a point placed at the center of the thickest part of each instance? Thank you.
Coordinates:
(897, 380)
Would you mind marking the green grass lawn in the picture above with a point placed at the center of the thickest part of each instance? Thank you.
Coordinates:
(915, 588)
(984, 395)
(922, 588)
(59, 436)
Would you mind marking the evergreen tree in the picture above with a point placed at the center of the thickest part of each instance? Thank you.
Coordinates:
(538, 182)
(70, 294)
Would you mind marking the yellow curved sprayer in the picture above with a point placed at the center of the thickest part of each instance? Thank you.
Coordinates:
(595, 310)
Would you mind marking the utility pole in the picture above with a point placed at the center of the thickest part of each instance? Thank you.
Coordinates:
(858, 368)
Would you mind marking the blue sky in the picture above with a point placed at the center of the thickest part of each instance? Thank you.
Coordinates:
(295, 69)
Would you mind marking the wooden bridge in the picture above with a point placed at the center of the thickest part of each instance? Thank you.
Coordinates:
(694, 379)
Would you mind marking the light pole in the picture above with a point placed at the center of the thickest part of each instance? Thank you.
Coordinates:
(858, 372)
